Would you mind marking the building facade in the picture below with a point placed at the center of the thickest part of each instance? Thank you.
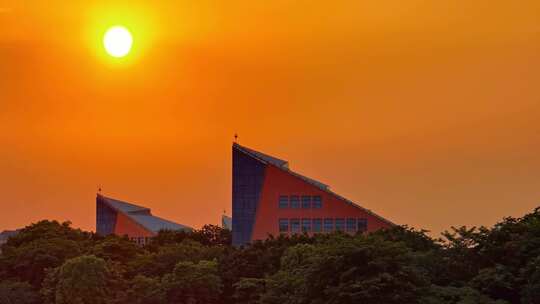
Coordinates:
(126, 219)
(226, 222)
(270, 199)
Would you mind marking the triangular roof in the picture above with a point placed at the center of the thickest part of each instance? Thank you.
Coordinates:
(142, 215)
(270, 160)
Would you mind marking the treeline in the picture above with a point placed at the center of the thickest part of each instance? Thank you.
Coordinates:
(50, 262)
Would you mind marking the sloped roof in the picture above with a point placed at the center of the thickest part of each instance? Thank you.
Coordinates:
(143, 216)
(264, 157)
(125, 207)
(282, 164)
(271, 161)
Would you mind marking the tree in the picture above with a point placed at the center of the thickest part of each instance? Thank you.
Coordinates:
(211, 235)
(398, 265)
(343, 269)
(82, 280)
(12, 292)
(167, 256)
(256, 260)
(248, 290)
(46, 244)
(530, 274)
(193, 283)
(456, 295)
(118, 249)
(498, 282)
(145, 290)
(28, 261)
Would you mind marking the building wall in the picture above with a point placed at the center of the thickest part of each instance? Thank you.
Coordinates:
(110, 221)
(278, 182)
(126, 226)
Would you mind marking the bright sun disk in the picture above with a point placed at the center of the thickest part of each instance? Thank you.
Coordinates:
(117, 41)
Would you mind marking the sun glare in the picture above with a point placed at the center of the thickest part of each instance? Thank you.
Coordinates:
(117, 41)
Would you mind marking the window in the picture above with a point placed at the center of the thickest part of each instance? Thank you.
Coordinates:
(328, 225)
(295, 225)
(351, 225)
(306, 201)
(284, 225)
(283, 201)
(317, 225)
(306, 225)
(295, 201)
(317, 202)
(340, 224)
(362, 225)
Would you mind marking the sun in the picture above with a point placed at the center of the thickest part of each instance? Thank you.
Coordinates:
(117, 41)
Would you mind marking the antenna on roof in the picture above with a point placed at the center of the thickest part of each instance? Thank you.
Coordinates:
(236, 137)
(99, 189)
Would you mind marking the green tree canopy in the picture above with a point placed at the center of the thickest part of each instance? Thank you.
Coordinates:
(82, 280)
(193, 283)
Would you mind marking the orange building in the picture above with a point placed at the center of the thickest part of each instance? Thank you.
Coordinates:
(136, 222)
(270, 199)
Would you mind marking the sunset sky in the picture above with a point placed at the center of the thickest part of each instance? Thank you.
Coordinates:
(426, 112)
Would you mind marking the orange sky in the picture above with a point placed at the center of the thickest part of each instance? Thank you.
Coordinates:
(426, 112)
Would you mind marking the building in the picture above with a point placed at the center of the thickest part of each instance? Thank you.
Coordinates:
(5, 235)
(226, 222)
(270, 199)
(137, 222)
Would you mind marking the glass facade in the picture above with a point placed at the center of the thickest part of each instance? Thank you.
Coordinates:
(283, 225)
(351, 225)
(362, 225)
(105, 218)
(295, 225)
(295, 201)
(248, 178)
(283, 201)
(328, 225)
(317, 225)
(317, 202)
(340, 224)
(306, 225)
(306, 201)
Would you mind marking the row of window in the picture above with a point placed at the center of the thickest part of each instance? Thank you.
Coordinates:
(297, 201)
(140, 240)
(296, 225)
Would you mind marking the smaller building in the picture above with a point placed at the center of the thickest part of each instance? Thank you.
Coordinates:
(5, 235)
(226, 222)
(125, 219)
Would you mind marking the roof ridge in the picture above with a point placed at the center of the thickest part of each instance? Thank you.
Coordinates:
(263, 157)
(137, 208)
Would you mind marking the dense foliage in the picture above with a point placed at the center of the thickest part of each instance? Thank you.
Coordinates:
(50, 262)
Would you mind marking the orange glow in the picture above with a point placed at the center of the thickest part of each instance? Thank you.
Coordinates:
(424, 111)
